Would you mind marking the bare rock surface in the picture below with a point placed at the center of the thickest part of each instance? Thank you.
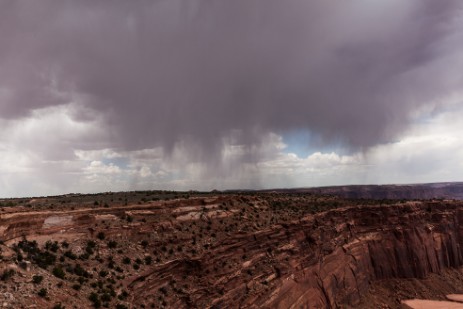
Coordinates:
(455, 297)
(257, 250)
(431, 304)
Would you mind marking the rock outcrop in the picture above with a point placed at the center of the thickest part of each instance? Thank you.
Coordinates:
(329, 259)
(323, 260)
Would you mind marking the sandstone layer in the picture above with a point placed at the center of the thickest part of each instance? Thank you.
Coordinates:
(233, 251)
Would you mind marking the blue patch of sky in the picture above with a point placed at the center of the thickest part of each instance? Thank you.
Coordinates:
(303, 143)
(428, 116)
(122, 163)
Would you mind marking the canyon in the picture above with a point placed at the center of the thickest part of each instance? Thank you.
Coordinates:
(228, 250)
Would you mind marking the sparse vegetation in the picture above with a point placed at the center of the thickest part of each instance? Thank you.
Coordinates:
(42, 292)
(119, 249)
(100, 236)
(7, 274)
(37, 279)
(58, 272)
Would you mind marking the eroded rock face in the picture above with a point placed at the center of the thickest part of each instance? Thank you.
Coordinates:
(323, 260)
(351, 247)
(329, 259)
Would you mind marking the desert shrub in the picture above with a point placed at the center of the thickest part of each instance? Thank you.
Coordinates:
(70, 255)
(76, 287)
(90, 246)
(144, 244)
(58, 272)
(7, 274)
(37, 279)
(93, 297)
(123, 295)
(163, 290)
(52, 246)
(19, 257)
(106, 297)
(79, 271)
(44, 259)
(100, 236)
(43, 292)
(112, 244)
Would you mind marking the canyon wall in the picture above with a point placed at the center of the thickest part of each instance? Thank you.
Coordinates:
(329, 259)
(342, 251)
(325, 260)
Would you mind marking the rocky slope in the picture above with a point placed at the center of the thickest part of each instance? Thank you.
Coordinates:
(248, 251)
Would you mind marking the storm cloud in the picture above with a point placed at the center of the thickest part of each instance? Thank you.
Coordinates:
(205, 73)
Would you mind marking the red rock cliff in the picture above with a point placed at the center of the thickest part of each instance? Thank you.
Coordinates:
(336, 254)
(321, 261)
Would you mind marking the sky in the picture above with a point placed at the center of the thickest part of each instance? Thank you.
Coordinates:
(115, 95)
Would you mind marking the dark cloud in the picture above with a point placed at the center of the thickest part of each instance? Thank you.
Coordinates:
(202, 71)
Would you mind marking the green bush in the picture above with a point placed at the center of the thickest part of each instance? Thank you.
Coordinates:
(42, 292)
(76, 287)
(112, 244)
(37, 279)
(70, 255)
(106, 297)
(42, 258)
(79, 271)
(93, 297)
(123, 295)
(7, 274)
(58, 272)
